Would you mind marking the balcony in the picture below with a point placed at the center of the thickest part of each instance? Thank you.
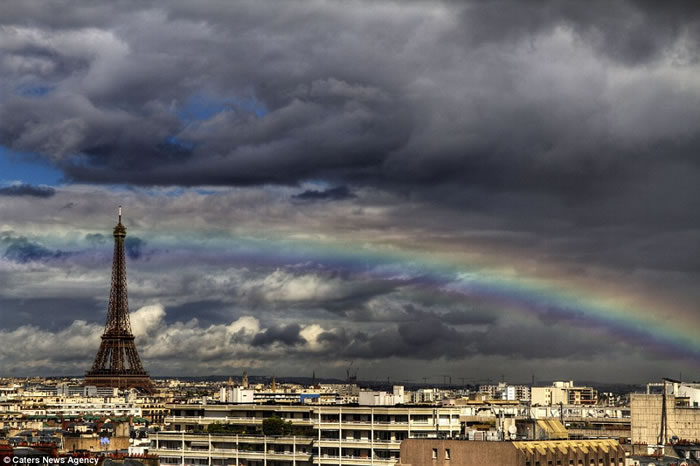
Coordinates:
(354, 460)
(231, 453)
(361, 443)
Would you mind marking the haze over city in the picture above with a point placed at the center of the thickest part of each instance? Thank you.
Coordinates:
(413, 188)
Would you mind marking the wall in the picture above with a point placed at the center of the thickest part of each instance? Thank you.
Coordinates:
(684, 422)
(92, 443)
(419, 452)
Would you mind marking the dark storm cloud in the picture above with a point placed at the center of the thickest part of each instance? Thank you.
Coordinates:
(21, 249)
(53, 313)
(95, 239)
(27, 190)
(331, 194)
(443, 93)
(431, 338)
(133, 246)
(287, 335)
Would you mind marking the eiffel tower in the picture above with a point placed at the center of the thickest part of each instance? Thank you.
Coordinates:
(117, 363)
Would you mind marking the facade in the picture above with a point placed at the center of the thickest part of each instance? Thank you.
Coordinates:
(224, 449)
(236, 395)
(431, 452)
(367, 398)
(355, 435)
(682, 420)
(563, 393)
(506, 392)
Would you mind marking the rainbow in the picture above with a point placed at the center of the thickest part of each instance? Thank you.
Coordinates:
(639, 325)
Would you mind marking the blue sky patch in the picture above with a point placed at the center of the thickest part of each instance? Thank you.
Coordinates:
(26, 168)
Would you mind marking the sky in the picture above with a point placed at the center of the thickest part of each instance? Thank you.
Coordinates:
(489, 190)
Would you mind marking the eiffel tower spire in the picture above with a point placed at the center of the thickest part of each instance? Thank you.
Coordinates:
(117, 363)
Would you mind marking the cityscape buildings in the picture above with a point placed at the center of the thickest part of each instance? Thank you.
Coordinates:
(196, 422)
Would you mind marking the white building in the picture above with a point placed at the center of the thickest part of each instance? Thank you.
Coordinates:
(367, 398)
(351, 435)
(236, 395)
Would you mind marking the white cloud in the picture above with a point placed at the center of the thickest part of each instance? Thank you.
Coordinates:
(146, 319)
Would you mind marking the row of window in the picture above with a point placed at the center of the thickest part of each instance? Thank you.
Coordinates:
(580, 462)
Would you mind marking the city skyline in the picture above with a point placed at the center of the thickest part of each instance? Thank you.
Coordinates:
(418, 188)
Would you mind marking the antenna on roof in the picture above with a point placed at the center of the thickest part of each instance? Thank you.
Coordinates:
(120, 214)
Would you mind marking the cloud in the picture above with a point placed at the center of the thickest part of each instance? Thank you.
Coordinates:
(167, 346)
(133, 246)
(21, 249)
(477, 101)
(557, 144)
(22, 189)
(146, 319)
(287, 335)
(331, 194)
(95, 239)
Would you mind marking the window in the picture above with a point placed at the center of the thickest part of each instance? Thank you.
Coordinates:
(434, 453)
(447, 453)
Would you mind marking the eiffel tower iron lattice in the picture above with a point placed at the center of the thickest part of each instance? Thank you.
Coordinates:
(117, 363)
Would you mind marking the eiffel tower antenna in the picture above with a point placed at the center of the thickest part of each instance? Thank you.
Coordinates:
(117, 363)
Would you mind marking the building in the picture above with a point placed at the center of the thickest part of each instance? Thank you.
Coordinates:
(433, 452)
(682, 420)
(367, 398)
(506, 392)
(563, 393)
(689, 391)
(338, 434)
(236, 395)
(224, 449)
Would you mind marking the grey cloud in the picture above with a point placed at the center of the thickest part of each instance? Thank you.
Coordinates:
(27, 190)
(379, 105)
(559, 141)
(95, 239)
(133, 246)
(331, 194)
(50, 312)
(287, 335)
(21, 249)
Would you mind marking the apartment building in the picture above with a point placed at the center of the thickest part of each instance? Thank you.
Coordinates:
(506, 392)
(224, 449)
(357, 435)
(563, 393)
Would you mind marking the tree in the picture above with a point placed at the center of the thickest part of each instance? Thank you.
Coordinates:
(276, 426)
